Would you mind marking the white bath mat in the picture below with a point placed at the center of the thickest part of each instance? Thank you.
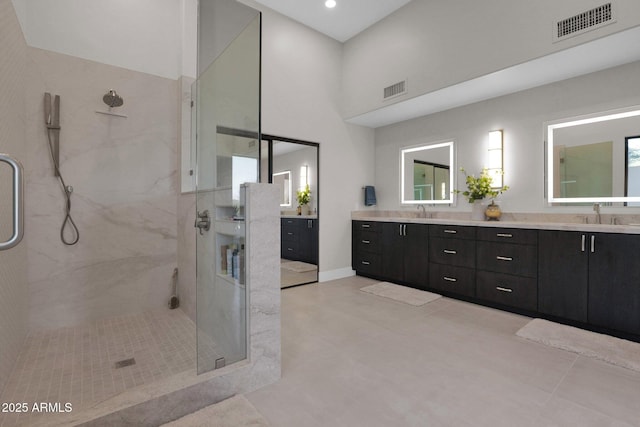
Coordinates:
(399, 293)
(298, 266)
(236, 411)
(586, 343)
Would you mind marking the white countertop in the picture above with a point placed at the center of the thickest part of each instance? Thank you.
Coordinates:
(538, 225)
(300, 216)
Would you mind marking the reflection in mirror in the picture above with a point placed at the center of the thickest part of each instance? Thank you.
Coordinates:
(283, 179)
(594, 159)
(297, 165)
(426, 174)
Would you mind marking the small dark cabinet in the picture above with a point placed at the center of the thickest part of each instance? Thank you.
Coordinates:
(614, 281)
(507, 267)
(404, 259)
(591, 278)
(563, 274)
(299, 239)
(366, 247)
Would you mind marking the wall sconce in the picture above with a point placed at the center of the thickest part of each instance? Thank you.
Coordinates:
(495, 161)
(304, 177)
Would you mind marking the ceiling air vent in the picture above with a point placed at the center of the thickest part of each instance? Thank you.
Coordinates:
(585, 21)
(394, 90)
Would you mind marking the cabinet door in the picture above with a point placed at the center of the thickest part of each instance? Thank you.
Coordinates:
(308, 240)
(614, 281)
(562, 274)
(415, 254)
(392, 251)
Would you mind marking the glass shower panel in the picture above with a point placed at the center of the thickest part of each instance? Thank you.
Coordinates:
(227, 100)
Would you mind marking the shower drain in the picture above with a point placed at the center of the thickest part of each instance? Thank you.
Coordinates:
(124, 363)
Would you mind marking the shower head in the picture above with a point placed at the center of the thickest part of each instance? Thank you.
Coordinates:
(112, 99)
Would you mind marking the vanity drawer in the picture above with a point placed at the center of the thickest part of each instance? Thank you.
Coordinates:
(289, 234)
(289, 249)
(452, 231)
(284, 222)
(371, 226)
(367, 263)
(508, 235)
(447, 278)
(519, 260)
(505, 289)
(449, 251)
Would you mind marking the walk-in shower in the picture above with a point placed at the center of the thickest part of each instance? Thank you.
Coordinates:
(98, 323)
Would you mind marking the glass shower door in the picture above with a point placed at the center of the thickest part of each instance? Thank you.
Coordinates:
(227, 101)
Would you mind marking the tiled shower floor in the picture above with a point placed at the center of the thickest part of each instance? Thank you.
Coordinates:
(77, 364)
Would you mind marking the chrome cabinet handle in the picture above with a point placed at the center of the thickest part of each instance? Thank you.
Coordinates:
(404, 230)
(450, 279)
(450, 231)
(583, 242)
(366, 242)
(365, 225)
(400, 229)
(365, 263)
(504, 235)
(593, 243)
(448, 251)
(501, 289)
(18, 202)
(504, 258)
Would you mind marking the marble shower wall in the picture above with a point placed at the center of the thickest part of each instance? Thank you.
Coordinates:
(13, 263)
(123, 171)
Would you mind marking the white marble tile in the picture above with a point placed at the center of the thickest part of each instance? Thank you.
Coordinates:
(124, 175)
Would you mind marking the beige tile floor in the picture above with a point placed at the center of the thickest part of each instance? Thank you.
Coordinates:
(76, 364)
(355, 359)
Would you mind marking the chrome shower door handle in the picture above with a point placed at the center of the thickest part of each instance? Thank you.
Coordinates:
(18, 202)
(203, 222)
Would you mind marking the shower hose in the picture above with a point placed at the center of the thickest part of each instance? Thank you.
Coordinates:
(68, 221)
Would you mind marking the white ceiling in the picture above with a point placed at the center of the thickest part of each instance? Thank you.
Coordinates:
(342, 22)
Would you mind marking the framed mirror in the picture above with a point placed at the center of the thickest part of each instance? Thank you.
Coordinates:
(427, 174)
(594, 158)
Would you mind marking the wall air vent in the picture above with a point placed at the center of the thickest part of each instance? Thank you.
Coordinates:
(394, 90)
(585, 21)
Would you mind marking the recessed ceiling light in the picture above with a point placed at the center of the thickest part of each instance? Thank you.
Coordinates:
(330, 4)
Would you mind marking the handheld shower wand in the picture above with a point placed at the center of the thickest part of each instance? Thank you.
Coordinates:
(52, 122)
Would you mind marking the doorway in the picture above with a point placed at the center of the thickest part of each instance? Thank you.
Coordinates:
(294, 165)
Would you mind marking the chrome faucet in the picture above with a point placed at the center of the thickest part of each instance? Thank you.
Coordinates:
(424, 211)
(596, 209)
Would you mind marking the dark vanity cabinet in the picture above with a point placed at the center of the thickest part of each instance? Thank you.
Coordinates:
(563, 272)
(391, 251)
(366, 246)
(405, 253)
(614, 281)
(591, 278)
(452, 259)
(507, 267)
(299, 239)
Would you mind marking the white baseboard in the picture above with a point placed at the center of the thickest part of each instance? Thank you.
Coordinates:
(341, 273)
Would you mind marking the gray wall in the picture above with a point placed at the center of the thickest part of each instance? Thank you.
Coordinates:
(13, 263)
(438, 43)
(521, 115)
